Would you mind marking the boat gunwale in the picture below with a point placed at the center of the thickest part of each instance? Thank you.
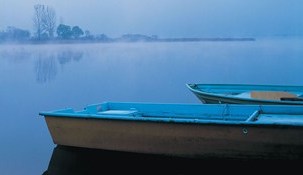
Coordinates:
(170, 120)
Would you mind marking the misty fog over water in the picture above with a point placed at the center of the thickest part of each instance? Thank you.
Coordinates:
(36, 78)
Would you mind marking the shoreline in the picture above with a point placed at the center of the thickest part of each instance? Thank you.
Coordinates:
(119, 40)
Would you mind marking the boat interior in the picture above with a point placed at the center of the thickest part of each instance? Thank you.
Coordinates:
(269, 95)
(224, 113)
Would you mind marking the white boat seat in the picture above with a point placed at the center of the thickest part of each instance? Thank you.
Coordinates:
(119, 112)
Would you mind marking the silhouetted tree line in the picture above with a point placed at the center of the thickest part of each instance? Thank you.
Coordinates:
(13, 33)
(45, 28)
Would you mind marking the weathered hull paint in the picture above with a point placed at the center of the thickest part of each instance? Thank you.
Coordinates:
(179, 139)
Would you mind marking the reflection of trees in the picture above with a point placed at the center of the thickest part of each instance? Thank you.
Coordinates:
(77, 56)
(64, 57)
(45, 68)
(68, 55)
(46, 64)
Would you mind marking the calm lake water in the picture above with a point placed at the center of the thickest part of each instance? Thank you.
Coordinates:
(36, 78)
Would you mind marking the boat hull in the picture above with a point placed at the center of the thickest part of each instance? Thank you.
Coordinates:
(258, 94)
(179, 139)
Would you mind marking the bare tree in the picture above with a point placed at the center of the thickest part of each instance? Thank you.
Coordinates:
(37, 19)
(49, 21)
(44, 21)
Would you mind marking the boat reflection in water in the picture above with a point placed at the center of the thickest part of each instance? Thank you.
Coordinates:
(74, 160)
(67, 160)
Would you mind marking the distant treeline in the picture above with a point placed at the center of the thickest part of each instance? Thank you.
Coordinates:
(46, 30)
(66, 34)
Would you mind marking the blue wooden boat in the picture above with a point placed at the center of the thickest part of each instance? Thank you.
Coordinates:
(248, 94)
(183, 130)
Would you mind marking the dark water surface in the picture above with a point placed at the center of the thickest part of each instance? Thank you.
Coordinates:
(36, 78)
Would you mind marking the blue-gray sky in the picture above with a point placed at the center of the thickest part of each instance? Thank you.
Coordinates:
(166, 18)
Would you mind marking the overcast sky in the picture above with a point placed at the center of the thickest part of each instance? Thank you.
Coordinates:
(166, 18)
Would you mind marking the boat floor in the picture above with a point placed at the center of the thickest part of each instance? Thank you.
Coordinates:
(267, 95)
